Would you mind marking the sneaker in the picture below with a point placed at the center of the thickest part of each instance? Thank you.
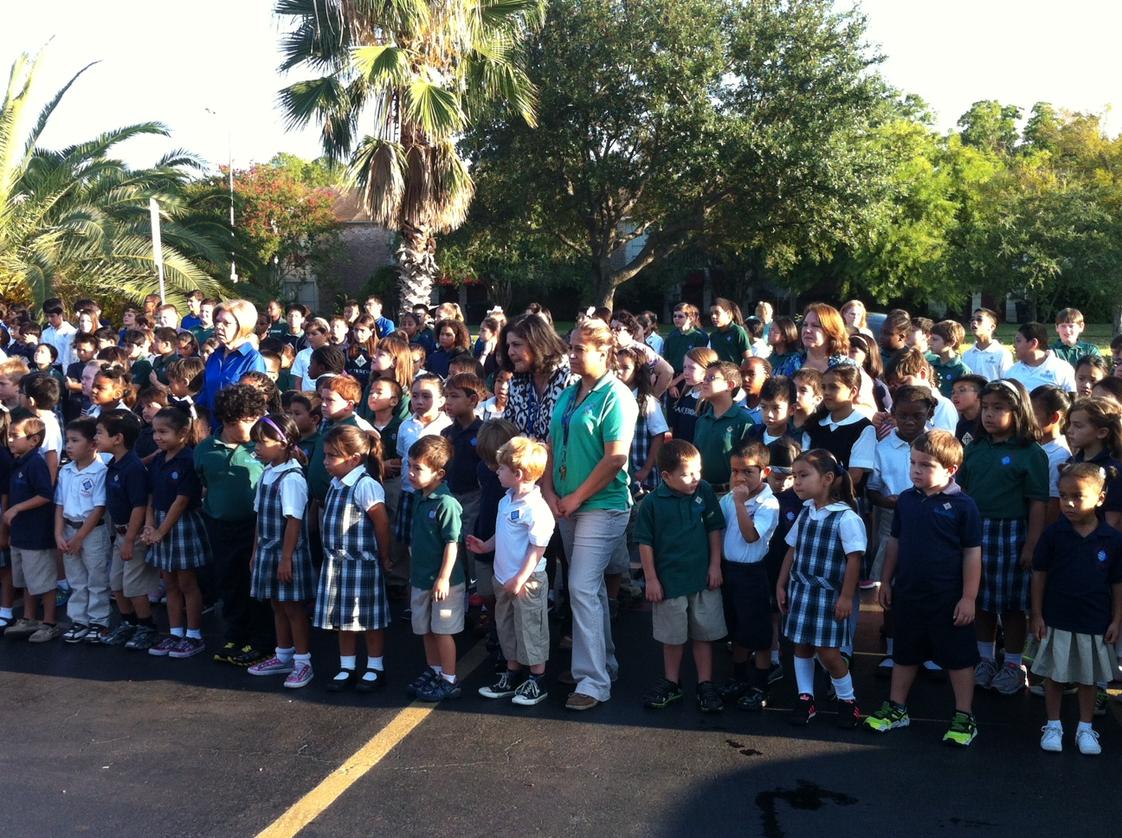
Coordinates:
(248, 656)
(1010, 680)
(984, 674)
(421, 682)
(733, 689)
(62, 596)
(529, 693)
(755, 699)
(143, 639)
(867, 584)
(580, 701)
(120, 635)
(804, 710)
(96, 635)
(849, 714)
(1102, 701)
(164, 647)
(187, 647)
(1052, 739)
(775, 673)
(709, 698)
(226, 653)
(889, 717)
(503, 688)
(439, 690)
(22, 629)
(272, 666)
(662, 694)
(46, 633)
(963, 730)
(300, 676)
(76, 633)
(1088, 742)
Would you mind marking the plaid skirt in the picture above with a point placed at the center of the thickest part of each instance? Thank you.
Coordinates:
(1005, 584)
(810, 616)
(186, 547)
(264, 583)
(351, 596)
(403, 527)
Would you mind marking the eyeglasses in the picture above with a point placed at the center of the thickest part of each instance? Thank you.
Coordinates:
(709, 379)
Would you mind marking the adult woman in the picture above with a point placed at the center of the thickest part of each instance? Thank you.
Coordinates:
(825, 338)
(317, 334)
(856, 317)
(586, 486)
(531, 351)
(234, 322)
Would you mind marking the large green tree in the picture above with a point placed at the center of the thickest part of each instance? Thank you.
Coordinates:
(396, 82)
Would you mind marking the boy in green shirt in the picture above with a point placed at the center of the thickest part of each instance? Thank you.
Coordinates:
(1068, 346)
(723, 424)
(680, 531)
(946, 337)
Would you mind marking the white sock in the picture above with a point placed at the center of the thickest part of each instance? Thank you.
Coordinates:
(437, 668)
(195, 634)
(986, 650)
(178, 632)
(844, 687)
(889, 644)
(347, 662)
(1012, 660)
(451, 679)
(804, 675)
(931, 666)
(375, 663)
(285, 655)
(774, 657)
(1083, 726)
(304, 658)
(1054, 724)
(5, 613)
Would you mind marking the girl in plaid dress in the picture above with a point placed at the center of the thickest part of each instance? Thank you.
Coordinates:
(818, 579)
(7, 592)
(175, 531)
(281, 569)
(351, 597)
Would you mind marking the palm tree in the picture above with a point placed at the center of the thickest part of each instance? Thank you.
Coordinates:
(75, 222)
(398, 82)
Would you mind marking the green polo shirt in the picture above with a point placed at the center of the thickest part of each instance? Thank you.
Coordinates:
(677, 528)
(436, 522)
(949, 372)
(203, 335)
(678, 343)
(716, 437)
(230, 474)
(1072, 354)
(1003, 477)
(730, 343)
(160, 366)
(579, 433)
(318, 478)
(140, 369)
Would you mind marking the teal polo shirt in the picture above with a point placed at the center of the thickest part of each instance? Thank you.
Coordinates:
(318, 478)
(579, 433)
(716, 438)
(437, 521)
(230, 474)
(677, 528)
(1003, 477)
(949, 372)
(1072, 354)
(678, 343)
(730, 343)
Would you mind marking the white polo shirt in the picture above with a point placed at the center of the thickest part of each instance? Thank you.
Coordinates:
(80, 491)
(892, 472)
(763, 509)
(521, 522)
(1053, 370)
(851, 528)
(992, 362)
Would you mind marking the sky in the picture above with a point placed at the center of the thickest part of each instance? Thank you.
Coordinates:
(175, 62)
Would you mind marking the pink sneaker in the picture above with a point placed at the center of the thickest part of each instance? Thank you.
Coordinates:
(273, 666)
(300, 676)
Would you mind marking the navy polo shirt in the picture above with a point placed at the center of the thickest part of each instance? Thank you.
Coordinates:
(168, 479)
(462, 475)
(1081, 571)
(491, 492)
(790, 505)
(1113, 486)
(35, 528)
(932, 532)
(126, 488)
(6, 463)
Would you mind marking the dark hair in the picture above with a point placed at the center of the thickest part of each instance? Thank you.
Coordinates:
(1102, 415)
(261, 382)
(84, 337)
(910, 393)
(788, 331)
(873, 363)
(1035, 331)
(430, 378)
(279, 428)
(1012, 391)
(181, 422)
(729, 371)
(825, 463)
(459, 329)
(1096, 361)
(471, 384)
(1051, 398)
(754, 326)
(189, 370)
(979, 381)
(1113, 385)
(435, 452)
(626, 319)
(674, 454)
(494, 434)
(84, 426)
(642, 376)
(51, 349)
(239, 401)
(549, 350)
(308, 399)
(779, 387)
(330, 358)
(753, 450)
(166, 334)
(120, 377)
(52, 306)
(731, 307)
(122, 423)
(465, 364)
(43, 389)
(190, 339)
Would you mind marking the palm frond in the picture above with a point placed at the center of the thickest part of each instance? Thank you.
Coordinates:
(383, 65)
(433, 108)
(311, 98)
(378, 168)
(49, 108)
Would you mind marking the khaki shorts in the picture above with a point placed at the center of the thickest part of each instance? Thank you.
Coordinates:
(444, 617)
(699, 616)
(34, 570)
(522, 621)
(485, 584)
(135, 577)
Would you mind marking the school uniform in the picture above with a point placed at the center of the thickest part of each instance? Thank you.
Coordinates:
(891, 476)
(410, 431)
(282, 493)
(747, 598)
(1058, 453)
(678, 343)
(1072, 354)
(6, 461)
(730, 343)
(351, 594)
(126, 489)
(993, 362)
(186, 546)
(822, 538)
(1113, 486)
(81, 491)
(790, 505)
(852, 440)
(1052, 370)
(948, 372)
(649, 425)
(682, 415)
(716, 437)
(522, 621)
(32, 531)
(357, 366)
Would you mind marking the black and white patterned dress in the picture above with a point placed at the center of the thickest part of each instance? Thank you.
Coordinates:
(271, 524)
(530, 412)
(816, 580)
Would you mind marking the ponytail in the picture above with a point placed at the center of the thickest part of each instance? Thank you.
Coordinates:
(822, 461)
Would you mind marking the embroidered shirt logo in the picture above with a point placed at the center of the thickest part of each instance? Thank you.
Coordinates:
(1102, 555)
(1006, 460)
(516, 514)
(175, 475)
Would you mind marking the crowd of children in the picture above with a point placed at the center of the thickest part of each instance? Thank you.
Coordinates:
(775, 471)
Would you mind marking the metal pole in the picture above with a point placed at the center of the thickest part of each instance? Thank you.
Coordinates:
(157, 244)
(230, 169)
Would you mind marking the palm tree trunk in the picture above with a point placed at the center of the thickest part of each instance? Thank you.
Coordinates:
(416, 259)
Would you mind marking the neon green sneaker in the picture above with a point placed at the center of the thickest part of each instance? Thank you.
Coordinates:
(962, 731)
(889, 717)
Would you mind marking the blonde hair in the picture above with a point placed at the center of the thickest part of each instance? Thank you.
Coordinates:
(14, 367)
(524, 454)
(244, 313)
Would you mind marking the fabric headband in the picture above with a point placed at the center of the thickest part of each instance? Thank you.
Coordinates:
(280, 433)
(1007, 386)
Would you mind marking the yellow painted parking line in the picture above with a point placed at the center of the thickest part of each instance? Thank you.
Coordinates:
(314, 803)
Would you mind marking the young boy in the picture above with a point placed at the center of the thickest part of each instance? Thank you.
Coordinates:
(894, 333)
(911, 369)
(679, 534)
(946, 337)
(1035, 364)
(40, 395)
(437, 571)
(808, 395)
(192, 320)
(165, 350)
(462, 395)
(82, 536)
(30, 518)
(751, 515)
(781, 480)
(523, 526)
(967, 400)
(753, 373)
(338, 396)
(987, 357)
(131, 578)
(383, 325)
(911, 409)
(205, 330)
(919, 336)
(1067, 346)
(777, 400)
(84, 348)
(932, 571)
(722, 425)
(306, 410)
(12, 372)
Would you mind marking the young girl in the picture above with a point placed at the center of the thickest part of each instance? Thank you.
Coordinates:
(1005, 471)
(1050, 405)
(728, 338)
(495, 406)
(174, 529)
(651, 427)
(838, 427)
(392, 359)
(149, 402)
(7, 592)
(282, 564)
(818, 581)
(453, 340)
(360, 348)
(351, 595)
(687, 335)
(685, 408)
(112, 390)
(1094, 434)
(428, 419)
(187, 345)
(1089, 370)
(1076, 604)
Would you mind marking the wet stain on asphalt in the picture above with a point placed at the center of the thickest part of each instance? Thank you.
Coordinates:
(806, 795)
(741, 749)
(970, 824)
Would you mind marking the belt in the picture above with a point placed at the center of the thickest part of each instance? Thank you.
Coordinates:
(72, 523)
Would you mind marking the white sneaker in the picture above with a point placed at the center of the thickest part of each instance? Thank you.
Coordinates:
(1052, 739)
(300, 676)
(1088, 742)
(1009, 680)
(984, 673)
(272, 666)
